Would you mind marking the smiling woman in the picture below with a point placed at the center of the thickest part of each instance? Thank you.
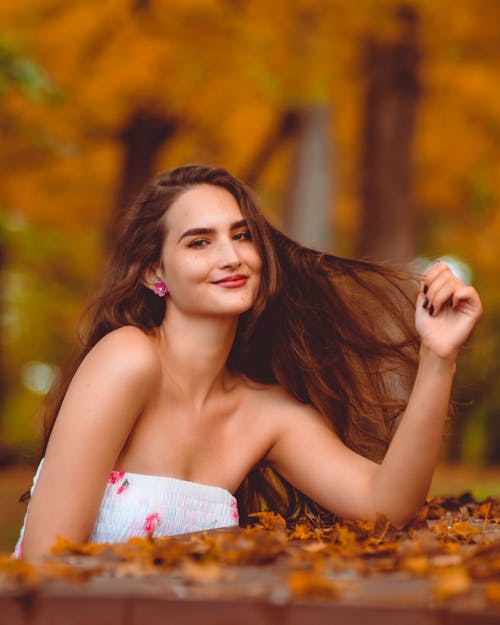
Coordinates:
(226, 368)
(207, 250)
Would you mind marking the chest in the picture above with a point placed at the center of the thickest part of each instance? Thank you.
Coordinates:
(218, 447)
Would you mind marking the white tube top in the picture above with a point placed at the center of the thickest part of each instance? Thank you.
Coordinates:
(135, 504)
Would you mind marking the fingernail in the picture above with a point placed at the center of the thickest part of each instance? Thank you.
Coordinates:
(426, 303)
(431, 310)
(426, 288)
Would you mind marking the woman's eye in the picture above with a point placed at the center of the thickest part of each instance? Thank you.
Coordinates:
(244, 235)
(198, 243)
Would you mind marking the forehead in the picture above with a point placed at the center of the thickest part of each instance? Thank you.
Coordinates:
(204, 205)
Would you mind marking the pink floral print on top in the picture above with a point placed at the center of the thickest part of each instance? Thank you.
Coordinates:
(136, 504)
(152, 522)
(234, 510)
(122, 487)
(115, 476)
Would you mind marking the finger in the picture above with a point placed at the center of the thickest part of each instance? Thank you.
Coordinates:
(432, 274)
(446, 280)
(466, 298)
(442, 296)
(434, 270)
(441, 290)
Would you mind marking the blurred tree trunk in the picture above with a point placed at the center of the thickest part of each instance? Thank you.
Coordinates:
(389, 221)
(143, 135)
(308, 200)
(286, 128)
(5, 453)
(309, 190)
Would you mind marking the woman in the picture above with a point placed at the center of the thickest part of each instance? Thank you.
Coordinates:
(223, 358)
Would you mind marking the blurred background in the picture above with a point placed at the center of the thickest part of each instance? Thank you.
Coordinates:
(368, 128)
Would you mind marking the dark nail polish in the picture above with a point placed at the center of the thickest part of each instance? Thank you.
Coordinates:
(426, 288)
(431, 310)
(426, 303)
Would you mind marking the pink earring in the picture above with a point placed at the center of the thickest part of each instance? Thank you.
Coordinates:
(160, 288)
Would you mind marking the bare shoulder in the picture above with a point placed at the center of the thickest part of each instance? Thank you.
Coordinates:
(128, 351)
(110, 388)
(120, 370)
(280, 408)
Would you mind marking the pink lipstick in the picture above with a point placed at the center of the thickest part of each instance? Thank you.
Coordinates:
(233, 282)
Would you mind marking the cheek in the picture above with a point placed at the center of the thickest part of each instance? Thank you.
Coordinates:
(256, 262)
(187, 269)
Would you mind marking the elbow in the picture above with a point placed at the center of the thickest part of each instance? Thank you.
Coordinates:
(401, 518)
(398, 512)
(400, 523)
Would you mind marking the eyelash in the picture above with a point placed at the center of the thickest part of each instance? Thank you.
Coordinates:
(246, 235)
(199, 243)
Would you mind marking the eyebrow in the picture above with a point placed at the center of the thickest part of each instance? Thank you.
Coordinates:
(197, 231)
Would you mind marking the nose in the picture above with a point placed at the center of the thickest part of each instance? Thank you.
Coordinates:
(228, 255)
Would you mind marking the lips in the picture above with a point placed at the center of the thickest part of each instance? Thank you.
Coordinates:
(233, 281)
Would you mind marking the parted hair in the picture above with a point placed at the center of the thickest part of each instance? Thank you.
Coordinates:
(336, 333)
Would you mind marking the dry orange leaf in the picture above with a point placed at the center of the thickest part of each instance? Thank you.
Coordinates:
(463, 529)
(451, 582)
(314, 547)
(311, 584)
(270, 520)
(346, 538)
(462, 545)
(62, 545)
(17, 570)
(303, 531)
(204, 573)
(492, 592)
(418, 565)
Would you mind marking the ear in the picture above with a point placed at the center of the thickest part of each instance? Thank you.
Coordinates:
(152, 276)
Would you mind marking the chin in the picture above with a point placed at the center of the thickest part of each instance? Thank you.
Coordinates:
(234, 309)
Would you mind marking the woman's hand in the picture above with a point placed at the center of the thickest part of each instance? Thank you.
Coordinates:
(447, 311)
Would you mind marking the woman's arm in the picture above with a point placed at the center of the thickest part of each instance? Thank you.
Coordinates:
(446, 313)
(104, 399)
(311, 456)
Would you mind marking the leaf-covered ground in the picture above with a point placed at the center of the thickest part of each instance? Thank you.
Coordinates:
(450, 553)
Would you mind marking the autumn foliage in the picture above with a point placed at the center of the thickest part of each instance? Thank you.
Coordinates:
(216, 79)
(454, 545)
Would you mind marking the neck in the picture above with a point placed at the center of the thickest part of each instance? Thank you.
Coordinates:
(196, 350)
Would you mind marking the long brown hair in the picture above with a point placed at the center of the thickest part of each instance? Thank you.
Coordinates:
(335, 333)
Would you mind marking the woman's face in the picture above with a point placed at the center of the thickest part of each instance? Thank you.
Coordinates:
(209, 261)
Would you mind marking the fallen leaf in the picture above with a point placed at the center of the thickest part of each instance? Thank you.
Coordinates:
(492, 592)
(204, 573)
(303, 531)
(314, 547)
(451, 582)
(62, 545)
(418, 565)
(311, 584)
(270, 520)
